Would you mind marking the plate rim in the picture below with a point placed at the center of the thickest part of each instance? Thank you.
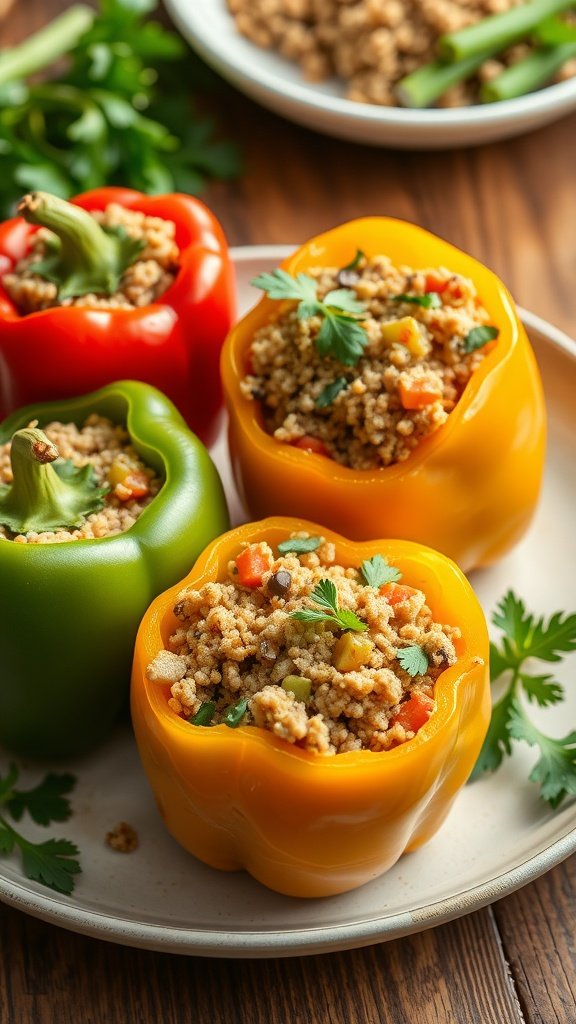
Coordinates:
(557, 98)
(54, 909)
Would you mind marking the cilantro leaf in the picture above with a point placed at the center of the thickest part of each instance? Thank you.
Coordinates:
(325, 596)
(53, 862)
(429, 300)
(413, 660)
(330, 392)
(555, 769)
(341, 336)
(528, 638)
(299, 545)
(281, 285)
(497, 743)
(478, 337)
(46, 802)
(376, 572)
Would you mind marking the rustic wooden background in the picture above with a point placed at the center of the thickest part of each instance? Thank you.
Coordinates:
(513, 206)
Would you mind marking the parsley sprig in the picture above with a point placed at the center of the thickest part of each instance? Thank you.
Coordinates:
(341, 335)
(325, 596)
(53, 862)
(376, 572)
(529, 638)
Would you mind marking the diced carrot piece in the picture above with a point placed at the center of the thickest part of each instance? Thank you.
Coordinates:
(308, 443)
(396, 593)
(415, 712)
(251, 564)
(419, 393)
(435, 283)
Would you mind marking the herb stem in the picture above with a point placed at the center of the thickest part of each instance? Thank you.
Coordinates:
(528, 74)
(428, 83)
(46, 45)
(498, 31)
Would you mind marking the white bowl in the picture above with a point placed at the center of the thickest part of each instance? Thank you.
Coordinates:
(278, 84)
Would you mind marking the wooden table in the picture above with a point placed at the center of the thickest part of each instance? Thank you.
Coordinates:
(511, 205)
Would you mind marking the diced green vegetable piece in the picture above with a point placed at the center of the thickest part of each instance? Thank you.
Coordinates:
(299, 686)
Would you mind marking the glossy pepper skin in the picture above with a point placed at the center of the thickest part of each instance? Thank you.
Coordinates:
(69, 612)
(173, 343)
(469, 489)
(306, 824)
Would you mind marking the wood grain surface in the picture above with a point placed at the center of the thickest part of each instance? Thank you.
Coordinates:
(513, 206)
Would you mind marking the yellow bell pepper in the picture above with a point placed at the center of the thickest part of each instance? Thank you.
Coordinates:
(469, 489)
(305, 824)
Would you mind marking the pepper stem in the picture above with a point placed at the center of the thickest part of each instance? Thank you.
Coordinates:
(87, 258)
(43, 497)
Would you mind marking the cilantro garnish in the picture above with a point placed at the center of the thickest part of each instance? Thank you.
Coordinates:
(325, 596)
(53, 862)
(413, 660)
(376, 572)
(341, 335)
(299, 545)
(478, 337)
(330, 392)
(527, 637)
(429, 300)
(205, 714)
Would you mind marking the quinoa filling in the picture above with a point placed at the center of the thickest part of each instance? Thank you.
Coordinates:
(142, 283)
(372, 44)
(327, 657)
(105, 446)
(426, 332)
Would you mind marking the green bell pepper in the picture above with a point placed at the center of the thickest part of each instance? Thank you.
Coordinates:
(69, 612)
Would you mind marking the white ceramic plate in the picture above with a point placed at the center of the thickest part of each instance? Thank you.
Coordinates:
(498, 836)
(278, 84)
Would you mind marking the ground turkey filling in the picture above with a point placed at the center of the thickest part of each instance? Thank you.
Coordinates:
(239, 655)
(372, 44)
(117, 465)
(411, 375)
(141, 284)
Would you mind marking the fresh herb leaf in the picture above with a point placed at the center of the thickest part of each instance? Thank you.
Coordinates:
(235, 713)
(205, 714)
(118, 111)
(354, 264)
(341, 336)
(429, 300)
(377, 572)
(299, 545)
(46, 803)
(478, 337)
(53, 863)
(526, 638)
(413, 660)
(325, 596)
(330, 392)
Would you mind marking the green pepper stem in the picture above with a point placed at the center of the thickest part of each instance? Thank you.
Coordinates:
(88, 258)
(39, 500)
(529, 74)
(44, 47)
(499, 30)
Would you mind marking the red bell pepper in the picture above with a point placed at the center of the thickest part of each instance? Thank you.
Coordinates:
(173, 343)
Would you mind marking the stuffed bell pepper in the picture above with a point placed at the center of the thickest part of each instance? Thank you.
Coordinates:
(115, 285)
(307, 707)
(385, 385)
(105, 500)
